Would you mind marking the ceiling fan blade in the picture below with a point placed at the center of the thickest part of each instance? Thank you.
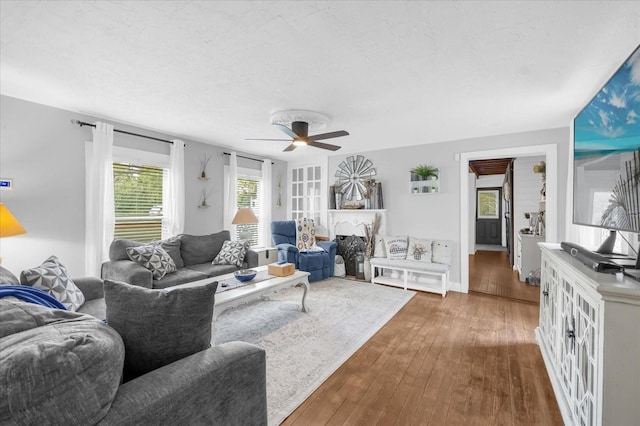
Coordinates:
(324, 145)
(281, 140)
(329, 135)
(285, 129)
(289, 148)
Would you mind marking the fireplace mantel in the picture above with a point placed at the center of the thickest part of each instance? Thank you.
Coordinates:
(352, 221)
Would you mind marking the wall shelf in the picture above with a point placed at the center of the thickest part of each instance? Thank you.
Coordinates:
(425, 187)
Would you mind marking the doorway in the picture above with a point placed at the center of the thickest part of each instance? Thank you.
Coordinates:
(467, 240)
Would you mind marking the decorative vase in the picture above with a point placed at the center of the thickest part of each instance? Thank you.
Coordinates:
(367, 268)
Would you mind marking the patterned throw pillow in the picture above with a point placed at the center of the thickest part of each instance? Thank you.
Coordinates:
(396, 247)
(305, 234)
(154, 258)
(419, 250)
(442, 252)
(53, 278)
(231, 253)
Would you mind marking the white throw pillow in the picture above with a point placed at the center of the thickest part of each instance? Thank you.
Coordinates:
(305, 234)
(419, 249)
(396, 247)
(442, 251)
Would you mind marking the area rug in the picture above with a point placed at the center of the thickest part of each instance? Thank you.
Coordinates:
(304, 349)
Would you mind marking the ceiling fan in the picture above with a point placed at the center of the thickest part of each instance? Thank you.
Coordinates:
(299, 133)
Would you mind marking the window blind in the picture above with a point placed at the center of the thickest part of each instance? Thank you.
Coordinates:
(138, 201)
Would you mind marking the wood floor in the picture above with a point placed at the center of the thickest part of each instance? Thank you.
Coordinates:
(467, 359)
(491, 273)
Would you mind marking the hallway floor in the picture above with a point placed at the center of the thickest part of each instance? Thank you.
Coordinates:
(490, 273)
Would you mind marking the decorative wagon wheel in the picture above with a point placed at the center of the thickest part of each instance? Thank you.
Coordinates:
(351, 175)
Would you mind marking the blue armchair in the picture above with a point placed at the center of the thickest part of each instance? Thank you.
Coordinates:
(319, 263)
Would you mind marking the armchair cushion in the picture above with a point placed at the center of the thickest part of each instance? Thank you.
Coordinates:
(52, 277)
(159, 327)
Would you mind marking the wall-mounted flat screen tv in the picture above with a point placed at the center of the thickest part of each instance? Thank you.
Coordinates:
(606, 157)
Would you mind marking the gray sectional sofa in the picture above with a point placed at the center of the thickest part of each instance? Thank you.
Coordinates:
(192, 255)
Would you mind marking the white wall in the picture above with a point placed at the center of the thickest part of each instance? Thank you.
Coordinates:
(526, 190)
(438, 215)
(44, 154)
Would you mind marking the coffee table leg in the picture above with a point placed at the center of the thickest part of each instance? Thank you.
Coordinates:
(304, 295)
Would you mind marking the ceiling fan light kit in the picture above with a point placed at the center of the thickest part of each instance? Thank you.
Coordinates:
(299, 134)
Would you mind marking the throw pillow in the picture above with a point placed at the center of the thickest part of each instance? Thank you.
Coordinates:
(419, 249)
(159, 327)
(153, 257)
(305, 234)
(6, 277)
(442, 252)
(231, 253)
(396, 247)
(52, 277)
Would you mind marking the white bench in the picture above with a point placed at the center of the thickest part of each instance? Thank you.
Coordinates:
(410, 274)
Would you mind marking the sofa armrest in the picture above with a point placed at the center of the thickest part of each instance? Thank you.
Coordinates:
(91, 287)
(127, 271)
(250, 259)
(223, 385)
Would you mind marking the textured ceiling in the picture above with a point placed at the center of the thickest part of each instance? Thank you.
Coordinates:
(390, 73)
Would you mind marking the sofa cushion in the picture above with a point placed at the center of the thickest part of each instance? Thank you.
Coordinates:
(198, 249)
(52, 277)
(212, 270)
(231, 253)
(419, 249)
(153, 257)
(181, 276)
(396, 247)
(6, 277)
(159, 327)
(62, 365)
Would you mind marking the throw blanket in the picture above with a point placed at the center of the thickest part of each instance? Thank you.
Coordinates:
(32, 295)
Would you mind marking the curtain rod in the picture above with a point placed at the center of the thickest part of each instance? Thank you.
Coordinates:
(82, 123)
(246, 158)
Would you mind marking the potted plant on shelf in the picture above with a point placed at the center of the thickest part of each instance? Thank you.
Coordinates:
(424, 172)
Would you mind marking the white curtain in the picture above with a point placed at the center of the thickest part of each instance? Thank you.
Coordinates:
(99, 207)
(173, 192)
(265, 214)
(231, 202)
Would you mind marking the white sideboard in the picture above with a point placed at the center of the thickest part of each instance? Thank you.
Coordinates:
(589, 336)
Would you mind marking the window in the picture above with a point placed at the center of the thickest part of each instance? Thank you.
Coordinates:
(306, 193)
(137, 192)
(138, 182)
(249, 195)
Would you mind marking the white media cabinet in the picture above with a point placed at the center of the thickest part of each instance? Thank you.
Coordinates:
(589, 336)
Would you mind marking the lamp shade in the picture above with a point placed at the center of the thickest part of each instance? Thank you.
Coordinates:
(244, 216)
(9, 225)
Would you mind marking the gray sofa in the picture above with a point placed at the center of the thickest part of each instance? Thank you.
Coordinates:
(192, 255)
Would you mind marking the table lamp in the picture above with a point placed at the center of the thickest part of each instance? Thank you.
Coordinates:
(9, 225)
(244, 216)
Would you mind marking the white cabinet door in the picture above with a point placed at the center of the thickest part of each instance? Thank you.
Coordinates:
(586, 349)
(566, 341)
(548, 305)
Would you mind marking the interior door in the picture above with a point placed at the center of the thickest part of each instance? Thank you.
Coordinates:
(489, 216)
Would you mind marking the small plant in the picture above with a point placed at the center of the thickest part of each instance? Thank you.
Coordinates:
(424, 171)
(203, 166)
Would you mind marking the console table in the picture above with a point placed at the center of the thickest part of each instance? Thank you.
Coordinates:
(589, 336)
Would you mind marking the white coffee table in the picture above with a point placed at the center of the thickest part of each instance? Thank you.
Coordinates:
(252, 291)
